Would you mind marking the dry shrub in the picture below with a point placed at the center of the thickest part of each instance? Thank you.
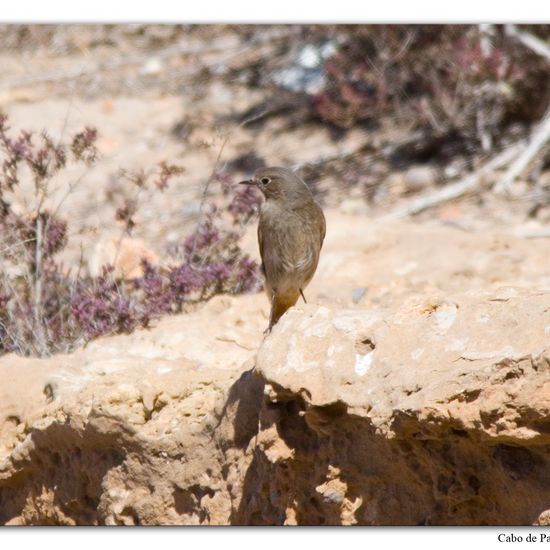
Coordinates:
(46, 308)
(448, 78)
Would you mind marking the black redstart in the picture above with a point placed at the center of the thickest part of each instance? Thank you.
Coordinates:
(291, 231)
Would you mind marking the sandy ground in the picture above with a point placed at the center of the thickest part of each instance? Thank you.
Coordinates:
(135, 86)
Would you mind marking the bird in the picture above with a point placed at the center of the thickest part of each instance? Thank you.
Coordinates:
(291, 231)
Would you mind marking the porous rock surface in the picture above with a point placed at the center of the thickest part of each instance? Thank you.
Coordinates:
(413, 388)
(133, 429)
(439, 414)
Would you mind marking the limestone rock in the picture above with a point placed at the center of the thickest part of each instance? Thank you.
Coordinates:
(130, 429)
(125, 254)
(426, 401)
(418, 178)
(435, 414)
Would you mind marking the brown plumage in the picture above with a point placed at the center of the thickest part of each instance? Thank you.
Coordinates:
(291, 231)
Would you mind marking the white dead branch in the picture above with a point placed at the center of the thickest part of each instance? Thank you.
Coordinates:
(538, 140)
(529, 40)
(471, 183)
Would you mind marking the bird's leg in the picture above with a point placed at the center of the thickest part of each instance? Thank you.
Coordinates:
(303, 297)
(271, 313)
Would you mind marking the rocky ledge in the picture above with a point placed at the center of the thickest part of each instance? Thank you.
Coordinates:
(433, 412)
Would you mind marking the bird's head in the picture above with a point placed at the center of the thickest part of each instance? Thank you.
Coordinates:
(280, 184)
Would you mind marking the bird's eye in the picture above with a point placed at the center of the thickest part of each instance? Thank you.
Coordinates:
(265, 181)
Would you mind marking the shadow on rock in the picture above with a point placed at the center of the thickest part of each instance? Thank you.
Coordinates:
(60, 481)
(241, 410)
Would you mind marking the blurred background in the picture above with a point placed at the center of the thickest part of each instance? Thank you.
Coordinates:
(445, 124)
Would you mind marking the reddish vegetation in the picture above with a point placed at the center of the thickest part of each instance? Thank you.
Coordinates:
(46, 308)
(433, 75)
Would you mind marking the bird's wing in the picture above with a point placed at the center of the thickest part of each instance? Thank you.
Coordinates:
(261, 243)
(323, 227)
(273, 246)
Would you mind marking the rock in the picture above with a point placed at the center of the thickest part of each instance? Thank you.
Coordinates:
(153, 66)
(353, 206)
(452, 412)
(305, 73)
(418, 178)
(126, 254)
(358, 293)
(133, 429)
(394, 183)
(426, 401)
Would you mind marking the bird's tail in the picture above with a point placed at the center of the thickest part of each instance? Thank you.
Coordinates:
(280, 303)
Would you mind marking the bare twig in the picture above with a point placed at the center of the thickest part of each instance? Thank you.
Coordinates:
(206, 185)
(486, 36)
(16, 339)
(472, 182)
(15, 245)
(484, 135)
(411, 35)
(39, 327)
(71, 186)
(529, 40)
(537, 141)
(233, 341)
(212, 173)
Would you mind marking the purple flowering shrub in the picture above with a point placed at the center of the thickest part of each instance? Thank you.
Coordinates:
(47, 308)
(440, 77)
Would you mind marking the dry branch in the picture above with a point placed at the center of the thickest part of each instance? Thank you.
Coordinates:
(529, 40)
(538, 139)
(472, 182)
(542, 134)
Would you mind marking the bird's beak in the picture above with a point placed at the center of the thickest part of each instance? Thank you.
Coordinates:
(247, 182)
